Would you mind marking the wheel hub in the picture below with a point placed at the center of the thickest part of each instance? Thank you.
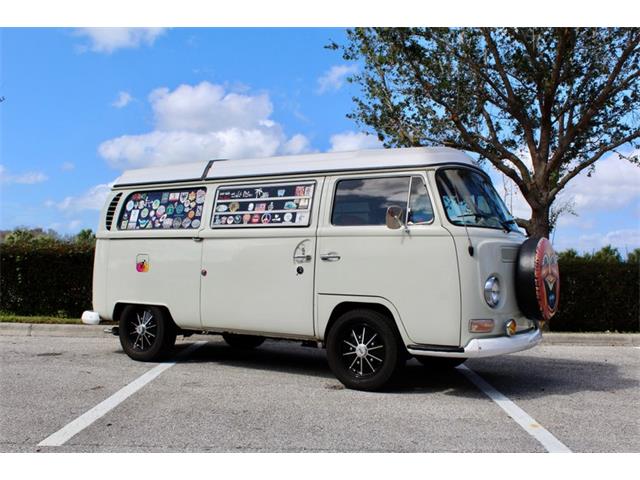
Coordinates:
(361, 350)
(141, 329)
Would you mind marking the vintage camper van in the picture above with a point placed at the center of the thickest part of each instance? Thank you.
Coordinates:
(376, 255)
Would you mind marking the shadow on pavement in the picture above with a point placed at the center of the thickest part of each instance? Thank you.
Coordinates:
(524, 376)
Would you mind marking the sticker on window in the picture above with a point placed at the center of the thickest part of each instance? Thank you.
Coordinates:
(162, 209)
(272, 205)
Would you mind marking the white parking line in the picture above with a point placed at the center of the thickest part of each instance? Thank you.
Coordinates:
(83, 421)
(522, 418)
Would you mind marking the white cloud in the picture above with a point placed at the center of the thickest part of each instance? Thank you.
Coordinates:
(202, 122)
(348, 141)
(92, 199)
(27, 178)
(624, 240)
(206, 107)
(614, 184)
(67, 166)
(334, 78)
(296, 144)
(108, 40)
(123, 99)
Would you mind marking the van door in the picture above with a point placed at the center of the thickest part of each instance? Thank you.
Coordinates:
(258, 257)
(415, 269)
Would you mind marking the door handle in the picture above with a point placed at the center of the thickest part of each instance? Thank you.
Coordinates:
(302, 258)
(330, 257)
(196, 239)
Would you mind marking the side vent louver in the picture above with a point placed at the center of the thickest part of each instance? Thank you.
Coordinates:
(112, 210)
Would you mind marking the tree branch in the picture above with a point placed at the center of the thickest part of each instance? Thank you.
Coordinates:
(607, 148)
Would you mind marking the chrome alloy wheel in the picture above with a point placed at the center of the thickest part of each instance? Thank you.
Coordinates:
(142, 330)
(363, 351)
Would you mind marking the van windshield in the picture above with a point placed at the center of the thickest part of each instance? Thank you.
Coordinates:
(469, 199)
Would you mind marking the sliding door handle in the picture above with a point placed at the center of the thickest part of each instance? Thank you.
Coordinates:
(330, 257)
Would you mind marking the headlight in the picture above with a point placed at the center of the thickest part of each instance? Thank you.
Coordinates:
(492, 291)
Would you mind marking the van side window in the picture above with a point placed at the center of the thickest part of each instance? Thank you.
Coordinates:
(365, 201)
(420, 209)
(163, 209)
(263, 205)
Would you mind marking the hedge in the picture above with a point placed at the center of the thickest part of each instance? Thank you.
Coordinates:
(56, 280)
(598, 296)
(53, 280)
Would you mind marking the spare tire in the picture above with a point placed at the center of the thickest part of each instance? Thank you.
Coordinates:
(537, 279)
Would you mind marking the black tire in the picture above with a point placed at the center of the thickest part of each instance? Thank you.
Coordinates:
(147, 333)
(244, 342)
(370, 340)
(440, 363)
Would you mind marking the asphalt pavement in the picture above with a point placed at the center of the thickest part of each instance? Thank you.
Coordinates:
(75, 394)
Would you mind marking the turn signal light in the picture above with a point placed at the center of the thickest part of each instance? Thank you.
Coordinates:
(483, 325)
(511, 327)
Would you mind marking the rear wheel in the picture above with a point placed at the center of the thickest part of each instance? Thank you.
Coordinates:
(440, 363)
(242, 341)
(363, 350)
(146, 333)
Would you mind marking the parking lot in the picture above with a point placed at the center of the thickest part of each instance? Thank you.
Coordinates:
(86, 395)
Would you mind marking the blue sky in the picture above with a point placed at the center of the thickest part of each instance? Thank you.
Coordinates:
(82, 105)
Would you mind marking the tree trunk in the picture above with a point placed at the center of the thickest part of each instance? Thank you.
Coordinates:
(539, 225)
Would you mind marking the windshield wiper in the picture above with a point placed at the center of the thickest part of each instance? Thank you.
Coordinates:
(503, 223)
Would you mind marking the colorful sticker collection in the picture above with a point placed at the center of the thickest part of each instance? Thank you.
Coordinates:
(163, 209)
(267, 205)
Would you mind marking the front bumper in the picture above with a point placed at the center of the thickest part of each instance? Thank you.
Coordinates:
(487, 347)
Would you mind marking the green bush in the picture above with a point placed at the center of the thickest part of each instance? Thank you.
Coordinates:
(46, 280)
(598, 295)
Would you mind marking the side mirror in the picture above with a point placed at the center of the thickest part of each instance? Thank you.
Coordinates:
(393, 218)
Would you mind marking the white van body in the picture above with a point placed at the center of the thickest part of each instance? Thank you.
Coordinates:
(293, 280)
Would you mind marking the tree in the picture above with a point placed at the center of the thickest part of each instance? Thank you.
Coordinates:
(634, 256)
(607, 254)
(569, 254)
(562, 96)
(35, 237)
(86, 237)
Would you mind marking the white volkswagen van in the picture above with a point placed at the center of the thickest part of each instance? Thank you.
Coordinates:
(376, 255)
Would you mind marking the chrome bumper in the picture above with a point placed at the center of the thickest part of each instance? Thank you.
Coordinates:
(488, 347)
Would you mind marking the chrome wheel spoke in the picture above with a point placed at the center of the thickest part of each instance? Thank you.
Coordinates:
(375, 348)
(371, 340)
(350, 344)
(352, 363)
(378, 359)
(370, 366)
(348, 353)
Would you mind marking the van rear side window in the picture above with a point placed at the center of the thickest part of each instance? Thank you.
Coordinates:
(163, 209)
(263, 205)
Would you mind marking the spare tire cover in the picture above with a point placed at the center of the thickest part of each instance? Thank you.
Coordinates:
(537, 279)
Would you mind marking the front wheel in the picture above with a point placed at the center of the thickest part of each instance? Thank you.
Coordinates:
(146, 333)
(362, 350)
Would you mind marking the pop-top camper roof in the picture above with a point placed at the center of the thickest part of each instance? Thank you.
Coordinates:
(294, 164)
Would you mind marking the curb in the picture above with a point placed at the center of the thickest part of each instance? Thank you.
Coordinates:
(592, 339)
(49, 330)
(84, 331)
